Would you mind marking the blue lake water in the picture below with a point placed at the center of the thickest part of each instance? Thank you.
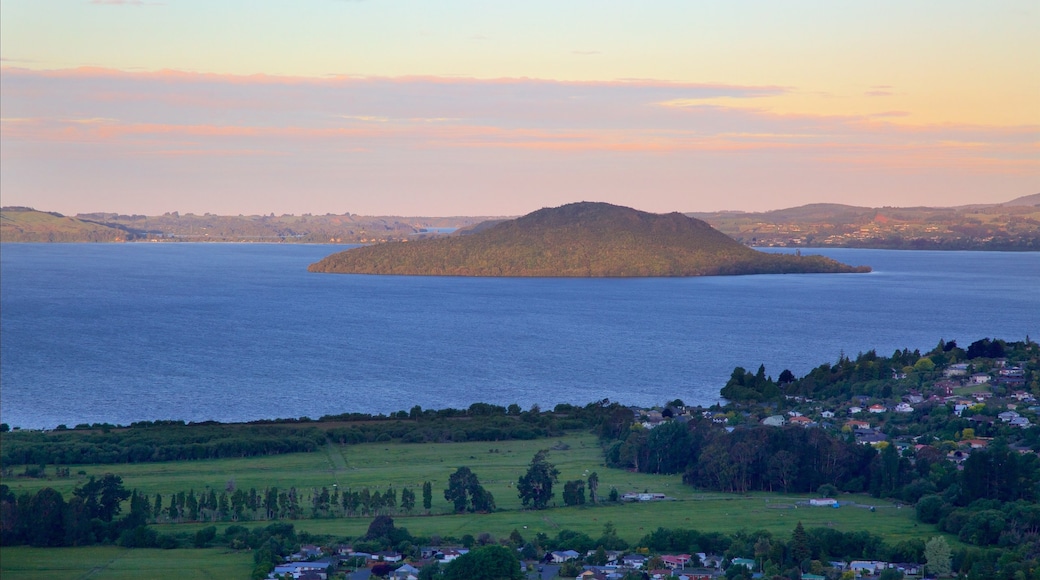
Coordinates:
(233, 332)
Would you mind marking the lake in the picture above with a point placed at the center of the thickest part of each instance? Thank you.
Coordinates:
(234, 332)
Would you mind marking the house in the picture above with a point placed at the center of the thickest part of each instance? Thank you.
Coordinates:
(1008, 416)
(406, 572)
(561, 557)
(634, 561)
(854, 409)
(676, 562)
(861, 567)
(979, 379)
(975, 443)
(298, 569)
(710, 560)
(746, 562)
(390, 557)
(699, 574)
(827, 414)
(904, 408)
(878, 409)
(857, 424)
(945, 387)
(823, 501)
(1020, 422)
(451, 554)
(956, 370)
(870, 438)
(801, 420)
(306, 552)
(775, 421)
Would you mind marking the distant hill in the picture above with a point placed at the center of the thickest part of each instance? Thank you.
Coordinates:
(1013, 225)
(1027, 200)
(578, 240)
(23, 224)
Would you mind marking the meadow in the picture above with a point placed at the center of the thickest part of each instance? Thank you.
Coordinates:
(114, 563)
(498, 465)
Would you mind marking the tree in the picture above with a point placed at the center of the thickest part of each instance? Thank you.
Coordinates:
(593, 487)
(464, 490)
(407, 500)
(574, 492)
(46, 518)
(381, 527)
(427, 495)
(204, 536)
(800, 548)
(102, 498)
(937, 555)
(535, 487)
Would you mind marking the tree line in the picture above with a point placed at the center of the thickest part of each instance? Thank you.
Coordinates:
(156, 441)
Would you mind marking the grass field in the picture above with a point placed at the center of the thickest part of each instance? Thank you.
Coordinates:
(112, 563)
(498, 465)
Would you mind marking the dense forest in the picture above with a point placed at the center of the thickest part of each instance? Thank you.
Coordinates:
(578, 240)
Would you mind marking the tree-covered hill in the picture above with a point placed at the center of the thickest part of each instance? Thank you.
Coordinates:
(579, 240)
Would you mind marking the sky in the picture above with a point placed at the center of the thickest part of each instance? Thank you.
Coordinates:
(440, 108)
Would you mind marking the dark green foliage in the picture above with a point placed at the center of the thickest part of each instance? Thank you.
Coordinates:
(204, 536)
(465, 492)
(485, 563)
(745, 387)
(578, 240)
(593, 487)
(985, 348)
(929, 509)
(535, 487)
(149, 441)
(102, 498)
(574, 492)
(45, 519)
(800, 548)
(427, 495)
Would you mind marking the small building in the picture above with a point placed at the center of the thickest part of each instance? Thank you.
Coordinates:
(746, 562)
(561, 557)
(823, 502)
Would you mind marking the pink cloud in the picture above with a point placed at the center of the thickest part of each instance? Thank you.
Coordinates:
(573, 135)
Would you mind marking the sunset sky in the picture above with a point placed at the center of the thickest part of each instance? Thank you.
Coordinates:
(499, 108)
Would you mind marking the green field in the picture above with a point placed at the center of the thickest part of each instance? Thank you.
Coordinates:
(498, 465)
(112, 563)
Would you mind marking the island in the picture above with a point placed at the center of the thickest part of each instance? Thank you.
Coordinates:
(585, 239)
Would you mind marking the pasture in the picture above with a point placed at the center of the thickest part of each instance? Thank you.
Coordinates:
(114, 563)
(379, 465)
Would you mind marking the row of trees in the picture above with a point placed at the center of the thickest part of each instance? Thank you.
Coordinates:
(152, 441)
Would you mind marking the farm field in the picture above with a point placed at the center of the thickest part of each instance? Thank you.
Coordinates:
(377, 466)
(113, 563)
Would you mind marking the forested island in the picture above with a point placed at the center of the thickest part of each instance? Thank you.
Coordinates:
(579, 240)
(950, 433)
